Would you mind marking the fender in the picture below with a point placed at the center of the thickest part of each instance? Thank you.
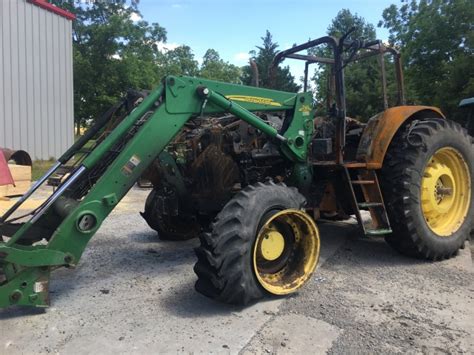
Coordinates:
(381, 129)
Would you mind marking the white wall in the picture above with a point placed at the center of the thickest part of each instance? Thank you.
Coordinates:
(36, 84)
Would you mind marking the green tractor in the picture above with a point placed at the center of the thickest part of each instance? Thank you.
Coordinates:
(250, 171)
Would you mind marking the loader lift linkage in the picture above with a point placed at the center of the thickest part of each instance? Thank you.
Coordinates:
(105, 167)
(72, 214)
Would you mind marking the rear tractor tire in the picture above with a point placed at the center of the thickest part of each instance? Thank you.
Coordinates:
(427, 181)
(261, 243)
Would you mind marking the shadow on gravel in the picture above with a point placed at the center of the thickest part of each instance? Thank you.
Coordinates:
(17, 312)
(187, 303)
(376, 251)
(123, 260)
(150, 237)
(144, 255)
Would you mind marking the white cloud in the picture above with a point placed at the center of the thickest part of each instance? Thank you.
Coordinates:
(176, 6)
(135, 17)
(241, 57)
(165, 47)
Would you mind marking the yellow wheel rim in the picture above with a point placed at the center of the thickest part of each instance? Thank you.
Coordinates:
(286, 251)
(273, 244)
(446, 192)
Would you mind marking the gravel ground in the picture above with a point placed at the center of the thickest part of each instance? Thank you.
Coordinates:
(132, 293)
(386, 303)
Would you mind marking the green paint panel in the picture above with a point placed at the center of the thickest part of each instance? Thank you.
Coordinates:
(181, 96)
(301, 129)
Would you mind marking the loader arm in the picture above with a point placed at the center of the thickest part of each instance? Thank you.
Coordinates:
(56, 233)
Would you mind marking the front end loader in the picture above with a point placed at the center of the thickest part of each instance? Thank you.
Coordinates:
(250, 170)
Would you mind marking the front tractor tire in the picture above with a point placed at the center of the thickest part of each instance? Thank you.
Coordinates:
(427, 181)
(261, 243)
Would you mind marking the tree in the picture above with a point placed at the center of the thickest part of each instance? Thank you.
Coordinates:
(362, 79)
(111, 53)
(283, 79)
(213, 67)
(180, 61)
(436, 41)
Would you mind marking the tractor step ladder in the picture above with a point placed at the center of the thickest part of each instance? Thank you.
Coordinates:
(359, 177)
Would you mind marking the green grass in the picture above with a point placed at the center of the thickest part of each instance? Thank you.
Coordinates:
(40, 167)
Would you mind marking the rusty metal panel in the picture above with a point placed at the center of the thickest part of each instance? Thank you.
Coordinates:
(381, 129)
(36, 97)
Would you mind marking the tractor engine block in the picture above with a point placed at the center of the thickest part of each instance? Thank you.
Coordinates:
(209, 161)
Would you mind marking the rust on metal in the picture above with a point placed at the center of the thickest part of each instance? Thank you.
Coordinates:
(20, 157)
(329, 199)
(382, 128)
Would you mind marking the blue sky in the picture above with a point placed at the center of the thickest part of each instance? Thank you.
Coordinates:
(233, 28)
